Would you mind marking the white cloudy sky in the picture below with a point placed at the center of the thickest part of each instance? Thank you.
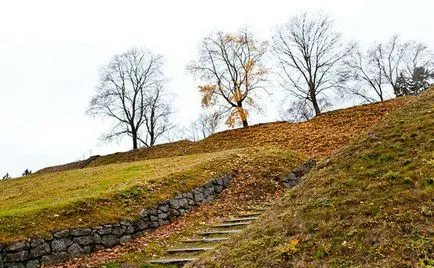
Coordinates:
(50, 53)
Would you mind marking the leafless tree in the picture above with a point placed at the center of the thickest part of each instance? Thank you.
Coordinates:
(395, 67)
(366, 74)
(205, 125)
(310, 54)
(231, 69)
(130, 92)
(156, 117)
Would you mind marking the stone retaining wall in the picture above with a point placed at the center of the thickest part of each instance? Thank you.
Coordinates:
(69, 243)
(295, 176)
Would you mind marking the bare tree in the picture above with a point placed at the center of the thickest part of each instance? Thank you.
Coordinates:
(205, 125)
(230, 66)
(130, 92)
(310, 54)
(390, 68)
(156, 117)
(367, 76)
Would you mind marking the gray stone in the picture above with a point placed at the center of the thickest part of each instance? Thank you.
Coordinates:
(130, 229)
(84, 240)
(96, 238)
(61, 234)
(140, 224)
(209, 191)
(14, 265)
(81, 232)
(125, 223)
(191, 202)
(119, 230)
(174, 203)
(173, 212)
(104, 230)
(36, 242)
(59, 245)
(163, 208)
(16, 257)
(154, 218)
(163, 216)
(188, 195)
(198, 196)
(125, 238)
(54, 258)
(153, 212)
(154, 224)
(183, 203)
(75, 250)
(218, 181)
(18, 246)
(144, 213)
(162, 222)
(219, 189)
(32, 264)
(41, 250)
(109, 240)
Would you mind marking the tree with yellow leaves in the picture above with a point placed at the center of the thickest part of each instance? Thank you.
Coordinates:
(231, 69)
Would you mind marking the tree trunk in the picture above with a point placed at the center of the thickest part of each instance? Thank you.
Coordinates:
(242, 114)
(134, 136)
(314, 101)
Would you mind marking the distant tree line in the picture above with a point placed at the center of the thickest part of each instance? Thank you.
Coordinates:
(311, 61)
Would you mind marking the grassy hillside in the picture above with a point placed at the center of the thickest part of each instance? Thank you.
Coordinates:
(371, 204)
(316, 138)
(40, 203)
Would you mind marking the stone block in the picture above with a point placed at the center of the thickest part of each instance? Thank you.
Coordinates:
(75, 250)
(19, 256)
(39, 251)
(81, 232)
(61, 234)
(18, 246)
(109, 240)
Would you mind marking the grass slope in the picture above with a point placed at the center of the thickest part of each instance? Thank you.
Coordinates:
(315, 138)
(371, 204)
(37, 204)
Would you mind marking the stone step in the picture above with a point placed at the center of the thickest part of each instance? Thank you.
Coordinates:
(247, 215)
(205, 240)
(242, 219)
(180, 250)
(228, 225)
(218, 232)
(173, 261)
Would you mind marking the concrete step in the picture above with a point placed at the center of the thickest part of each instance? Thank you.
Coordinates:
(218, 232)
(242, 219)
(205, 240)
(228, 225)
(181, 250)
(173, 261)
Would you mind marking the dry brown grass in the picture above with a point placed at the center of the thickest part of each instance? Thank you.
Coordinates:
(315, 138)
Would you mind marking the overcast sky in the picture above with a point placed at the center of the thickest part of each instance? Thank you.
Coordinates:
(51, 51)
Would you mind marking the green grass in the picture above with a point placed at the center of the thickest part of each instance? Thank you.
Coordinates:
(35, 205)
(370, 204)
